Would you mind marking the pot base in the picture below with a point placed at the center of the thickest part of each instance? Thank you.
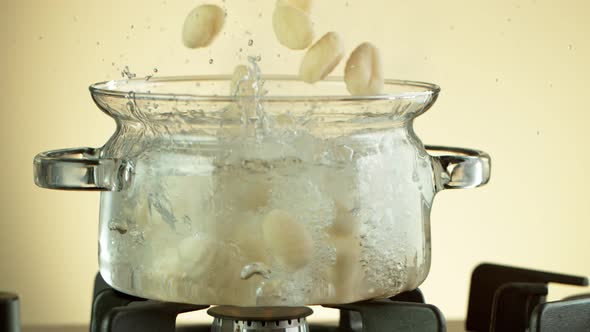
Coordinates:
(237, 292)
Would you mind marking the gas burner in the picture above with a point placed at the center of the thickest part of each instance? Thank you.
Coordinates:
(275, 319)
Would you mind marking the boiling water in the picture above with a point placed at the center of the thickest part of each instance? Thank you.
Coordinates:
(193, 227)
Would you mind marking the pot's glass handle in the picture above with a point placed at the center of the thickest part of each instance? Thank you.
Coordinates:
(81, 169)
(457, 168)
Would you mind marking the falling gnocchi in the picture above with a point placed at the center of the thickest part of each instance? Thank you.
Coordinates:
(202, 25)
(293, 28)
(321, 59)
(363, 74)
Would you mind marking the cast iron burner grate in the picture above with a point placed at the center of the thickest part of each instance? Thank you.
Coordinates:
(510, 299)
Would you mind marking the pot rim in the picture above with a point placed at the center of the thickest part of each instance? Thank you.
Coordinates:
(124, 89)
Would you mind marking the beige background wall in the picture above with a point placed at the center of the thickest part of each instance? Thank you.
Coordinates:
(514, 78)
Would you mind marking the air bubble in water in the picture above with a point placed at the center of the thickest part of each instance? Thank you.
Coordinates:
(118, 226)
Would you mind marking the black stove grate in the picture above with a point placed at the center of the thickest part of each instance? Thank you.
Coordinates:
(9, 312)
(510, 299)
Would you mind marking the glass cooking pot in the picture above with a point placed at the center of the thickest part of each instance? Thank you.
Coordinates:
(303, 195)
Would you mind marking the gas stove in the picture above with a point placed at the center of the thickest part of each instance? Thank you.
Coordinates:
(501, 299)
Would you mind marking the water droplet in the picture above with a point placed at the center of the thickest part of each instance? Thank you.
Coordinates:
(452, 27)
(210, 61)
(278, 55)
(255, 268)
(509, 20)
(127, 73)
(40, 37)
(258, 58)
(187, 61)
(570, 47)
(241, 49)
(112, 64)
(75, 18)
(98, 43)
(260, 14)
(155, 70)
(497, 80)
(250, 42)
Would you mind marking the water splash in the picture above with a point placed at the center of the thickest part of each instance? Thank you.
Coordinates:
(127, 73)
(249, 91)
